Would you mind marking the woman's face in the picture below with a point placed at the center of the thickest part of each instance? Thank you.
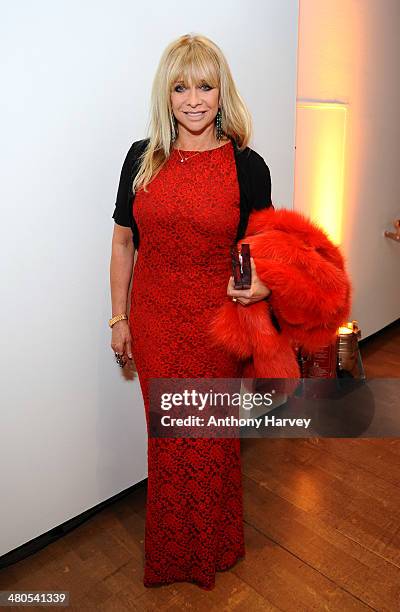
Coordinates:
(194, 107)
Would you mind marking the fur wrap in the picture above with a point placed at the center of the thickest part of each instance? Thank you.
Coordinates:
(311, 295)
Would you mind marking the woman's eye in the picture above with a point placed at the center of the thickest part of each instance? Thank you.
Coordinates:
(180, 88)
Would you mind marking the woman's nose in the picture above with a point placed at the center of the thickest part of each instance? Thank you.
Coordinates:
(193, 96)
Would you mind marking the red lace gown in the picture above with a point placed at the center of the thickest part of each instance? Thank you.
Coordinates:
(187, 222)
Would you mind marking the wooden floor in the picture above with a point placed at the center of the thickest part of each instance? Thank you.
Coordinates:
(322, 528)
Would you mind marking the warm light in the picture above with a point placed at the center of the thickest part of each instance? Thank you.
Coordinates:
(320, 159)
(344, 330)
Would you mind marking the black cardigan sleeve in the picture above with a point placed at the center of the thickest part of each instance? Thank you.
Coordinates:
(123, 210)
(260, 179)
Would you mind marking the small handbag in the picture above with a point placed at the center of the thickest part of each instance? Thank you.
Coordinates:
(241, 266)
(241, 271)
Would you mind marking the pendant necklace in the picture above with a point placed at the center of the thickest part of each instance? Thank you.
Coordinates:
(183, 158)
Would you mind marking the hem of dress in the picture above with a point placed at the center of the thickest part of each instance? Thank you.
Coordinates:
(205, 587)
(241, 555)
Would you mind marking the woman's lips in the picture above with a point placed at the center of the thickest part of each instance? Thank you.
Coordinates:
(195, 115)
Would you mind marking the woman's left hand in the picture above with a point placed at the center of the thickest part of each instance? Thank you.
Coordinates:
(258, 290)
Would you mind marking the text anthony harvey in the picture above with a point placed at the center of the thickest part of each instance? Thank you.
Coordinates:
(231, 421)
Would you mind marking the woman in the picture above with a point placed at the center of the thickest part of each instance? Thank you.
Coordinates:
(195, 182)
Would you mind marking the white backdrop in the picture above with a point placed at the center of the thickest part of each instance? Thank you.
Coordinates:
(76, 79)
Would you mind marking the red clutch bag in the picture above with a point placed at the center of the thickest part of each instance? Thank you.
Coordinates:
(241, 266)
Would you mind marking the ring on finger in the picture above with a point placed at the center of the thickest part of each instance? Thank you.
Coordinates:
(119, 359)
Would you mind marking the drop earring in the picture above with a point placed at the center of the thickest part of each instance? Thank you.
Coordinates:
(218, 124)
(173, 128)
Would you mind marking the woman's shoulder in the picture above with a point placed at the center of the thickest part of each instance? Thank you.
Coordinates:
(253, 162)
(136, 148)
(254, 158)
(141, 144)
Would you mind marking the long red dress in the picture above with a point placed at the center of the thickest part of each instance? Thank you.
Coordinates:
(187, 222)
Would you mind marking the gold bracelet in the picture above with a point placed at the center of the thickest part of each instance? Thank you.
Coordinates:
(117, 318)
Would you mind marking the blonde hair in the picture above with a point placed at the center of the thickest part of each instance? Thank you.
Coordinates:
(190, 58)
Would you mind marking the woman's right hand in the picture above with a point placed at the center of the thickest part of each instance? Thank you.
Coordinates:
(121, 341)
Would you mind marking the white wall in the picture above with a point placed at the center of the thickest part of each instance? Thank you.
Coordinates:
(77, 78)
(349, 52)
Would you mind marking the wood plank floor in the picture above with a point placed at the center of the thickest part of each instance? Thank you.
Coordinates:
(322, 527)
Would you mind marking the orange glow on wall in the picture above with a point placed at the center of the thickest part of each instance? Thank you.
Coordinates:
(320, 164)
